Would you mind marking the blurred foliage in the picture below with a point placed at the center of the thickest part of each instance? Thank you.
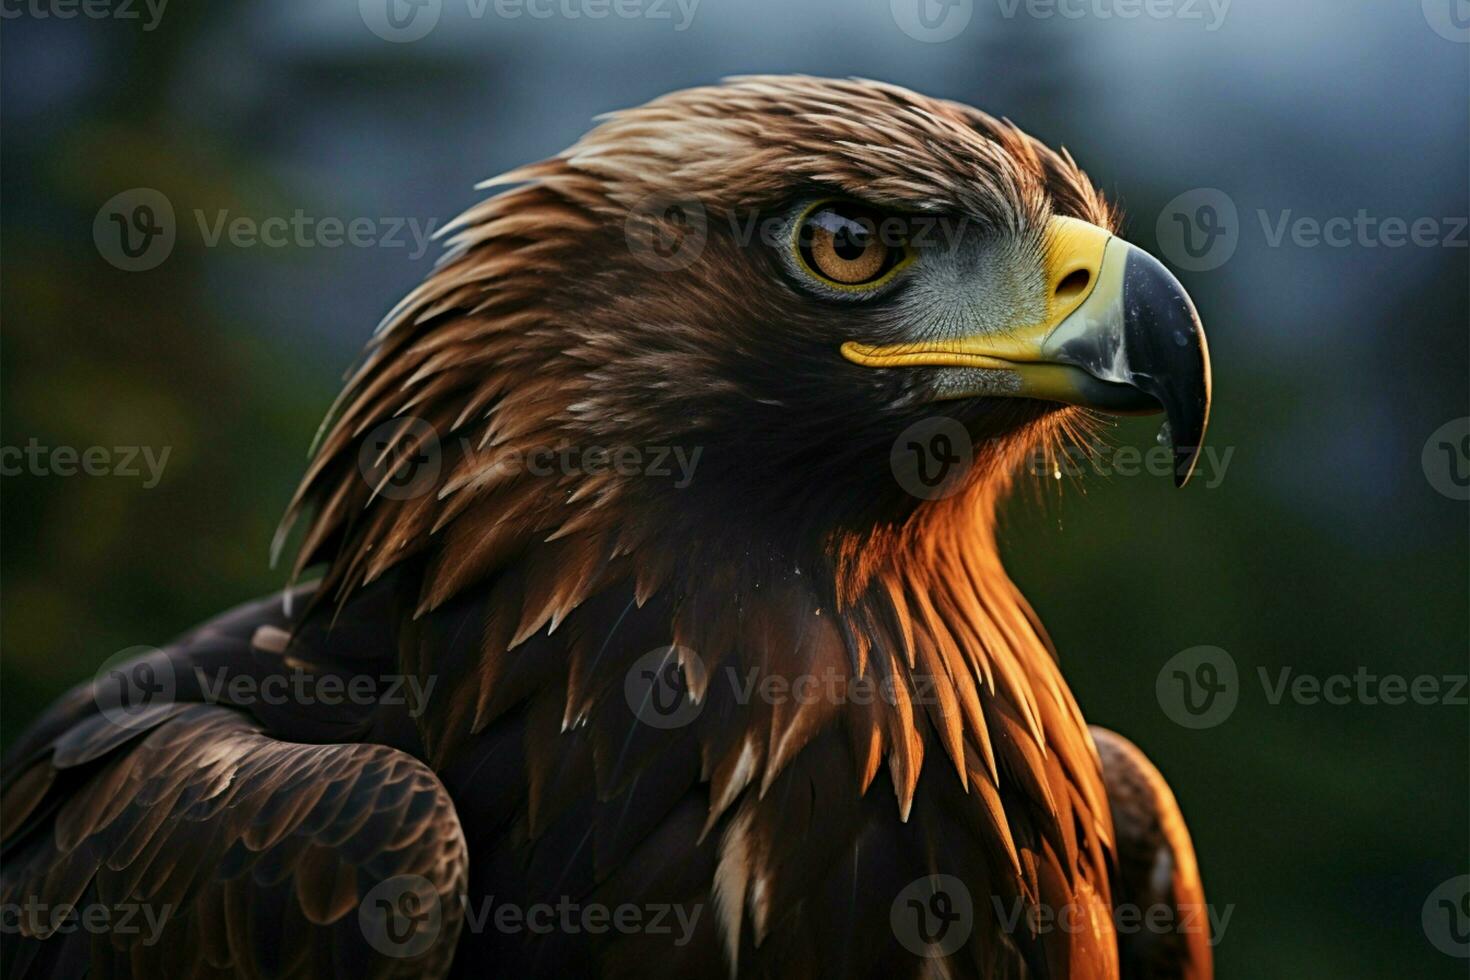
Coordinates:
(1323, 549)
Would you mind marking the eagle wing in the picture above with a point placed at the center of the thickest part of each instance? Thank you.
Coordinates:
(1156, 871)
(202, 844)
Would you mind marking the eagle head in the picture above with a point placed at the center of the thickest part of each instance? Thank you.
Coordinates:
(792, 282)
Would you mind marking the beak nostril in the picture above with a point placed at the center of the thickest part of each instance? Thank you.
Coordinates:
(1073, 284)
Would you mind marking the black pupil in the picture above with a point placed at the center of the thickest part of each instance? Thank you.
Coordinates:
(850, 240)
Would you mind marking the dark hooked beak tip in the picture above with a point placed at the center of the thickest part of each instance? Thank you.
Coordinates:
(1166, 355)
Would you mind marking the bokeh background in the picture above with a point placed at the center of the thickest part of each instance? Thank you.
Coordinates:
(1330, 543)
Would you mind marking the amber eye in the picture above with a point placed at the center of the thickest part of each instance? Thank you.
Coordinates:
(848, 245)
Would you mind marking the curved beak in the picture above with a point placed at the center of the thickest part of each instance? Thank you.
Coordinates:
(1120, 335)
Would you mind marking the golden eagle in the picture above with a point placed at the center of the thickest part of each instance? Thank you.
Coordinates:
(649, 639)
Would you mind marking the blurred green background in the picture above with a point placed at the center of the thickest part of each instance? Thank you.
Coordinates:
(1322, 829)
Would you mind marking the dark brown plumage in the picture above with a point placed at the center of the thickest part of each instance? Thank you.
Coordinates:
(526, 598)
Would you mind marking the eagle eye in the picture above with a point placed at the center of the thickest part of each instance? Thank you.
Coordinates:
(850, 247)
